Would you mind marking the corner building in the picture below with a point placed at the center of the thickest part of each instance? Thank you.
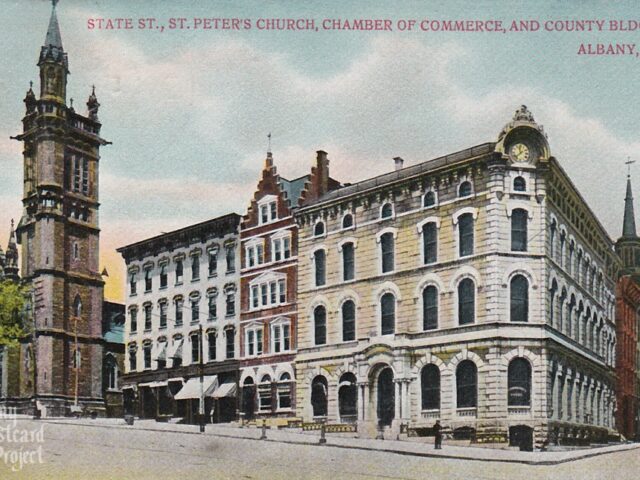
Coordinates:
(475, 288)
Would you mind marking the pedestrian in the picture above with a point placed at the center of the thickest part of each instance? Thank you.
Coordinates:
(437, 432)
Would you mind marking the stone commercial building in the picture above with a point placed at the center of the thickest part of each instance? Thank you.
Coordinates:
(475, 288)
(182, 322)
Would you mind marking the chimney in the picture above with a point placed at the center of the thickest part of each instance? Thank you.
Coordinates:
(322, 171)
(399, 162)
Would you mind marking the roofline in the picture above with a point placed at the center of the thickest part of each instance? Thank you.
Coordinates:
(206, 223)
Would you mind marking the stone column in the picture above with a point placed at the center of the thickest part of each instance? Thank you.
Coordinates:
(365, 410)
(406, 413)
(398, 400)
(363, 400)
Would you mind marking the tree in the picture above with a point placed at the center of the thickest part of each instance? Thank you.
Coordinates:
(15, 321)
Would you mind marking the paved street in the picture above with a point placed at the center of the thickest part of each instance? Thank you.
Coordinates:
(94, 452)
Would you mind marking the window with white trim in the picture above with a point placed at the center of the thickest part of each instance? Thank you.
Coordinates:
(264, 394)
(254, 252)
(280, 337)
(284, 391)
(280, 248)
(348, 261)
(319, 264)
(268, 291)
(387, 252)
(268, 209)
(253, 341)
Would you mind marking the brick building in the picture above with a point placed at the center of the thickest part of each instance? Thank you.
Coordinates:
(268, 286)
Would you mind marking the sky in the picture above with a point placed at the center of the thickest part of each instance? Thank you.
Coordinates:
(188, 111)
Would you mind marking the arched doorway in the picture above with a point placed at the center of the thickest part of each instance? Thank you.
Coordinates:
(248, 398)
(348, 398)
(319, 396)
(386, 397)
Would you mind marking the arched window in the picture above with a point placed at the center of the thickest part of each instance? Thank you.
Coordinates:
(466, 301)
(284, 391)
(465, 189)
(347, 221)
(348, 321)
(430, 242)
(467, 384)
(387, 252)
(319, 262)
(318, 230)
(388, 313)
(77, 306)
(465, 234)
(519, 382)
(320, 325)
(429, 199)
(348, 397)
(319, 396)
(519, 219)
(519, 184)
(111, 372)
(430, 386)
(430, 308)
(552, 238)
(348, 261)
(386, 211)
(552, 300)
(519, 294)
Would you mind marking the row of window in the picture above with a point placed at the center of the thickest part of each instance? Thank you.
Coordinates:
(209, 352)
(519, 309)
(429, 199)
(265, 392)
(429, 232)
(280, 336)
(178, 309)
(255, 251)
(195, 261)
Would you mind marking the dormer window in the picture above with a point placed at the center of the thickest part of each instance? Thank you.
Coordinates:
(318, 229)
(519, 184)
(267, 209)
(465, 189)
(386, 211)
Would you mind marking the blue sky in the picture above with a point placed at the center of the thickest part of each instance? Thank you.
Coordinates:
(188, 111)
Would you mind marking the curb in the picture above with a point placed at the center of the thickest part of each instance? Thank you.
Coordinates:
(584, 456)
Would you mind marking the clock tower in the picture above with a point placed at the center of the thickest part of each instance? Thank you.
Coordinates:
(59, 235)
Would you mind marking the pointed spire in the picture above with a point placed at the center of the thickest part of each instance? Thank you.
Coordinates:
(53, 37)
(268, 163)
(93, 105)
(629, 221)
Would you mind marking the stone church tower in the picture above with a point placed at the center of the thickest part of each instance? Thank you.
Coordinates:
(59, 235)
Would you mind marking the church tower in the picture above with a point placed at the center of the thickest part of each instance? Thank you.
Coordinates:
(59, 235)
(628, 246)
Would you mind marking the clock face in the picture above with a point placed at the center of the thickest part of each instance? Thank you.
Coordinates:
(520, 152)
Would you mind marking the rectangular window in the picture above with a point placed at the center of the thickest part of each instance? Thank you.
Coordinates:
(163, 314)
(195, 267)
(273, 292)
(348, 262)
(259, 342)
(147, 317)
(77, 173)
(282, 287)
(264, 214)
(286, 338)
(85, 176)
(147, 280)
(231, 260)
(147, 357)
(319, 263)
(387, 247)
(519, 231)
(195, 311)
(263, 294)
(286, 249)
(213, 307)
(231, 304)
(163, 276)
(259, 254)
(273, 210)
(251, 347)
(179, 271)
(255, 297)
(133, 360)
(276, 339)
(277, 250)
(281, 340)
(213, 263)
(195, 348)
(465, 230)
(264, 392)
(430, 242)
(178, 306)
(212, 345)
(133, 315)
(230, 335)
(133, 284)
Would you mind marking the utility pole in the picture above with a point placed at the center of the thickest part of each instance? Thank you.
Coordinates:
(77, 359)
(201, 365)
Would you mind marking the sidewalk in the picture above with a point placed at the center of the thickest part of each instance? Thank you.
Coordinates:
(391, 446)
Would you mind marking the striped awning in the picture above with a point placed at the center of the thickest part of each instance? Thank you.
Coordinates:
(191, 389)
(225, 390)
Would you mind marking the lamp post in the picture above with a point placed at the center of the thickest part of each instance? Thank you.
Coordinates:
(201, 367)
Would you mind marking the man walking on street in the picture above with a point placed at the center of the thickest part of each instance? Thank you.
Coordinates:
(437, 431)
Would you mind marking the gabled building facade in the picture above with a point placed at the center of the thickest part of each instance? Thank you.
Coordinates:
(268, 284)
(182, 321)
(476, 289)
